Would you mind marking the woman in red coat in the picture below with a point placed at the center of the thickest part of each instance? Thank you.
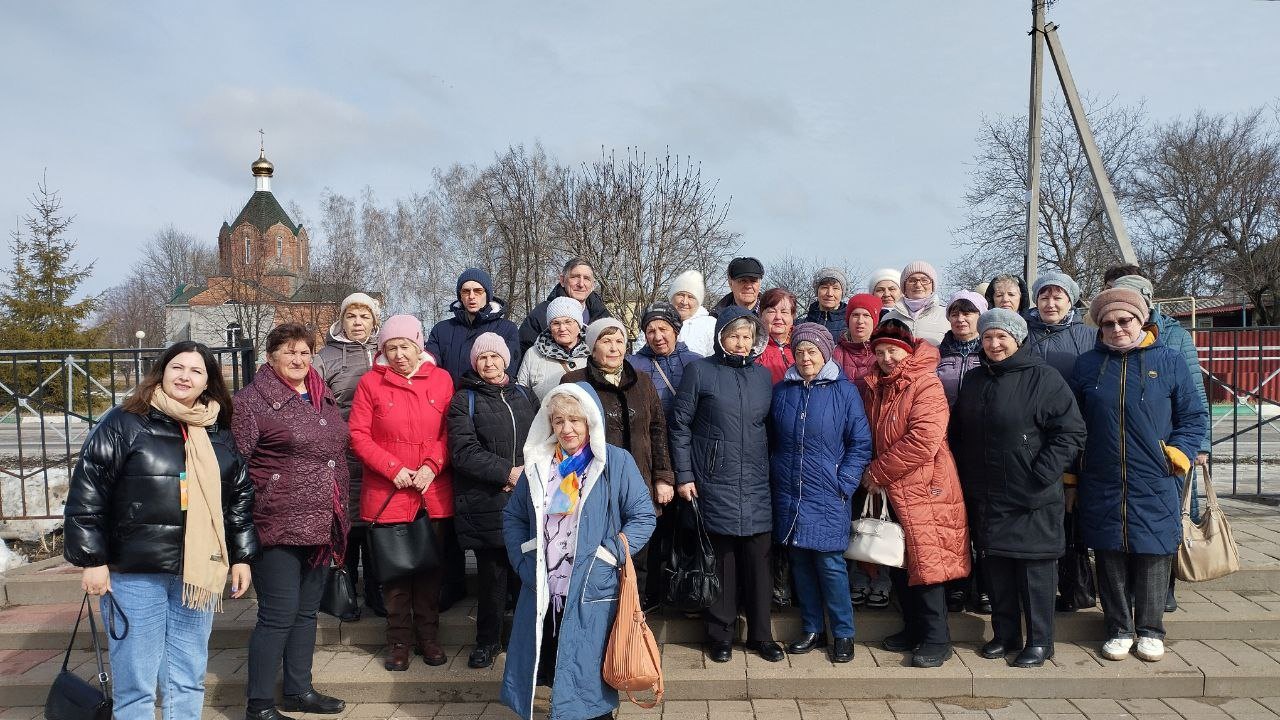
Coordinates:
(908, 412)
(398, 432)
(778, 313)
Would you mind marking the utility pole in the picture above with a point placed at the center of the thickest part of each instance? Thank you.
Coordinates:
(1033, 142)
(1090, 147)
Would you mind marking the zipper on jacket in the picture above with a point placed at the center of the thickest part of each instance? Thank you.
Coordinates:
(1124, 476)
(804, 413)
(503, 394)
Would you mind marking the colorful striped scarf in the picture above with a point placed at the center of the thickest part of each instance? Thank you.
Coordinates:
(572, 471)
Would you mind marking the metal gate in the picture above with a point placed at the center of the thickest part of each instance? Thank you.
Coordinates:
(51, 399)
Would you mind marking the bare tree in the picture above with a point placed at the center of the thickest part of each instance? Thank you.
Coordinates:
(1210, 198)
(796, 274)
(643, 222)
(1074, 236)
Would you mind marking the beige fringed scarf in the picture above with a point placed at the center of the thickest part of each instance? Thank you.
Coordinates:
(204, 548)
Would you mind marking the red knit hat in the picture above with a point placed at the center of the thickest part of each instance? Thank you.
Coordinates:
(894, 332)
(871, 303)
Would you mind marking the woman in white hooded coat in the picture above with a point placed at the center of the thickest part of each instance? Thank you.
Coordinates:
(561, 526)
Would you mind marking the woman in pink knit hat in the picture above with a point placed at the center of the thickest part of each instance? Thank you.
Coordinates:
(920, 308)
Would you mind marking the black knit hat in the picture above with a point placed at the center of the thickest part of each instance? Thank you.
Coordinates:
(895, 332)
(661, 310)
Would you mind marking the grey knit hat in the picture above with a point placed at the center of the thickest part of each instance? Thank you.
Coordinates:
(827, 274)
(1056, 279)
(1136, 282)
(1006, 320)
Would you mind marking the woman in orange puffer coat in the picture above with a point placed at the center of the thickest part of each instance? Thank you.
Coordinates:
(908, 412)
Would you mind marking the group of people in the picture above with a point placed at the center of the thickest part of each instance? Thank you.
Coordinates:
(540, 447)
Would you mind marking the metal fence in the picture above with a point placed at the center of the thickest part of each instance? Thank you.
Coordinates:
(1241, 369)
(50, 400)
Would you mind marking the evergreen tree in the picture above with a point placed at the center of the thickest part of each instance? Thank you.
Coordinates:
(36, 303)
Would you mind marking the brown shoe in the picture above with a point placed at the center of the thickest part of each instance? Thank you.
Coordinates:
(432, 654)
(397, 658)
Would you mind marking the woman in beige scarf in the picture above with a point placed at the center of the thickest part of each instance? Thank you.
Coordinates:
(159, 515)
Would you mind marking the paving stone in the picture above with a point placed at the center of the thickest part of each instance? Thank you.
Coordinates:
(822, 710)
(868, 709)
(1097, 706)
(1148, 706)
(1245, 709)
(1047, 706)
(373, 710)
(913, 707)
(21, 713)
(1196, 709)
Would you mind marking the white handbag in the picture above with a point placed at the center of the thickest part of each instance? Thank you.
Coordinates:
(875, 538)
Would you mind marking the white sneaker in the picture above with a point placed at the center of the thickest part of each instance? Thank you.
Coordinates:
(1150, 649)
(1117, 648)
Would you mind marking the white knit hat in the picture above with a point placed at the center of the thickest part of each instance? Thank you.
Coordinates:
(359, 298)
(882, 274)
(692, 282)
(564, 306)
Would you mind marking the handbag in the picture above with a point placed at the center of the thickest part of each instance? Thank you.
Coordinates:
(70, 696)
(1208, 549)
(338, 597)
(632, 662)
(402, 549)
(1076, 581)
(874, 538)
(692, 582)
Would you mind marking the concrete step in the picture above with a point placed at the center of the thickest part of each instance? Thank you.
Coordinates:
(1191, 668)
(1201, 615)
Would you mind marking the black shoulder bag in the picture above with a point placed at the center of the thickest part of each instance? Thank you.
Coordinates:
(73, 698)
(692, 583)
(402, 549)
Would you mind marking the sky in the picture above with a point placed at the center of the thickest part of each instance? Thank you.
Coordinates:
(837, 129)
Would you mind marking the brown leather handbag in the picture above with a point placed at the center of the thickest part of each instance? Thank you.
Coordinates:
(1208, 550)
(632, 662)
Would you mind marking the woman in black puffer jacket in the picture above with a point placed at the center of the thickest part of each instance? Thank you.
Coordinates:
(488, 420)
(159, 513)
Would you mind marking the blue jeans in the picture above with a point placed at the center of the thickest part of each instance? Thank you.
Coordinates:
(822, 581)
(167, 646)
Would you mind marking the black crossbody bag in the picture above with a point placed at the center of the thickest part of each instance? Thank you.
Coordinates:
(72, 697)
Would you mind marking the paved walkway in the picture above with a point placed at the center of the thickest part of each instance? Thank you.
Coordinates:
(953, 709)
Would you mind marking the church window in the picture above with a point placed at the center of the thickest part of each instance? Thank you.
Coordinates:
(279, 245)
(247, 248)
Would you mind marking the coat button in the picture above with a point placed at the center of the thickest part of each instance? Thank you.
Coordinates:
(275, 476)
(332, 463)
(275, 406)
(323, 421)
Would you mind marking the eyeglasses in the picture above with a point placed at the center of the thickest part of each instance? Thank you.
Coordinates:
(919, 281)
(1113, 324)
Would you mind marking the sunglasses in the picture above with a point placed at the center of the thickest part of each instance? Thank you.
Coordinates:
(1113, 324)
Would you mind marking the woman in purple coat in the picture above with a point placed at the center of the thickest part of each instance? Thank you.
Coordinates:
(292, 435)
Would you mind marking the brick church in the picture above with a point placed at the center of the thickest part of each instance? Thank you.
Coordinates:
(264, 278)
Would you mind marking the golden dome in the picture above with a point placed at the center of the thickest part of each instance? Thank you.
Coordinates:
(262, 166)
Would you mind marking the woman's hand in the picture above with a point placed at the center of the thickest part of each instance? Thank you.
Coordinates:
(403, 479)
(423, 478)
(663, 493)
(512, 478)
(687, 492)
(96, 580)
(241, 578)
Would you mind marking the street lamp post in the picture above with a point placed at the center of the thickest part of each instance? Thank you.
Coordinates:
(137, 357)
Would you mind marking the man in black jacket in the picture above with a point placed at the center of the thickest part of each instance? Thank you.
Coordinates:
(578, 281)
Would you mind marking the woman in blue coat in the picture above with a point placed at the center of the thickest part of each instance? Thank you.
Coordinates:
(561, 530)
(1145, 423)
(719, 451)
(820, 444)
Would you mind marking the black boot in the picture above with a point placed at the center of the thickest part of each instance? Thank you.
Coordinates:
(807, 642)
(313, 702)
(842, 650)
(267, 714)
(1170, 602)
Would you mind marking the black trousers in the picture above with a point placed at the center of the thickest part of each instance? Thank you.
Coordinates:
(1021, 591)
(453, 586)
(1146, 579)
(742, 561)
(493, 572)
(357, 555)
(652, 559)
(924, 608)
(288, 596)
